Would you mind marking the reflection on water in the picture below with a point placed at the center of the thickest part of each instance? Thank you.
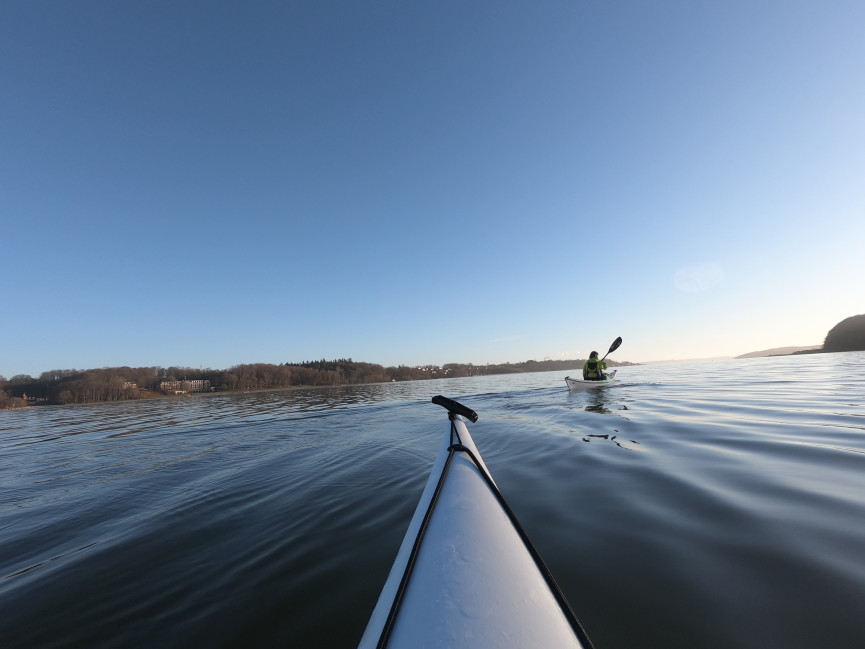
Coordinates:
(602, 402)
(272, 518)
(612, 438)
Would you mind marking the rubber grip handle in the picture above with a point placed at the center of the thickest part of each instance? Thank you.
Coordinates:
(456, 408)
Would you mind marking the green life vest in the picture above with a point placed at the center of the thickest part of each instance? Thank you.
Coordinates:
(592, 369)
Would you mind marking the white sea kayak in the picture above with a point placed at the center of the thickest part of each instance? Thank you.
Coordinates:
(575, 385)
(466, 574)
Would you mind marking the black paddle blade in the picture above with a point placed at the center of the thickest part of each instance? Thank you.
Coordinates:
(614, 346)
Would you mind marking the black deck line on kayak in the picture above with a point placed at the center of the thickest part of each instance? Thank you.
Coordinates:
(568, 612)
(453, 449)
(403, 584)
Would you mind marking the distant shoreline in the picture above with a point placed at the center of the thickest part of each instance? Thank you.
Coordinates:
(76, 387)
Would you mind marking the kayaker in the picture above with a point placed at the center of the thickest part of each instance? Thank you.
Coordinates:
(593, 369)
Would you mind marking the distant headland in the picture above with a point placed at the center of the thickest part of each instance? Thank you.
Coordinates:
(846, 336)
(783, 351)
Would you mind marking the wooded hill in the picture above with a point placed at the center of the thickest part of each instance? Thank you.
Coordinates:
(846, 336)
(125, 383)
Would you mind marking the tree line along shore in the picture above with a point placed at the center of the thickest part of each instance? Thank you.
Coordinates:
(60, 387)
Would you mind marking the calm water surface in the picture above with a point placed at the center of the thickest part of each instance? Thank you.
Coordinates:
(714, 504)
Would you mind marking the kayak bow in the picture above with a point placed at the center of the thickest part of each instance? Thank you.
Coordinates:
(466, 574)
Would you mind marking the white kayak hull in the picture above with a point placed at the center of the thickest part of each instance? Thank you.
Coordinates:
(474, 581)
(576, 385)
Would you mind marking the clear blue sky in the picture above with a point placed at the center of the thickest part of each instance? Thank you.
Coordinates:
(211, 183)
